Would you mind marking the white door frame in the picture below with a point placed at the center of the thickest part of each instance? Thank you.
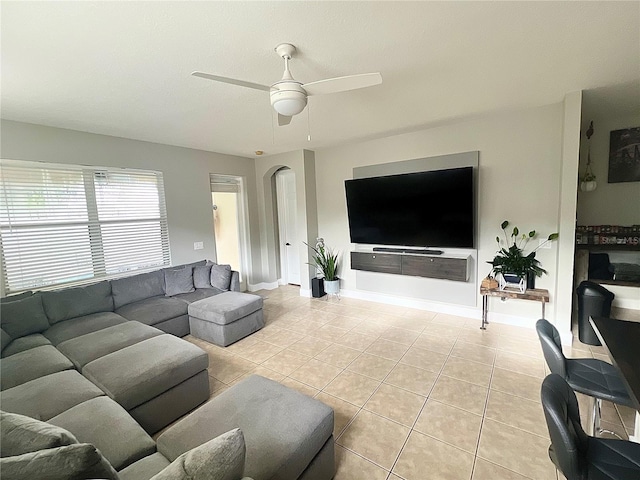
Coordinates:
(243, 222)
(284, 208)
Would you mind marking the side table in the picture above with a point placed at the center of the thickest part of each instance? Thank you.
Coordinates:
(536, 294)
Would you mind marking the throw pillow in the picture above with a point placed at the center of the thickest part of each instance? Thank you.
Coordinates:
(178, 280)
(77, 461)
(219, 459)
(23, 317)
(221, 276)
(202, 276)
(20, 434)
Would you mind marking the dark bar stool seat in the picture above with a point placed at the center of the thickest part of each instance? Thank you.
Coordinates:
(595, 378)
(577, 455)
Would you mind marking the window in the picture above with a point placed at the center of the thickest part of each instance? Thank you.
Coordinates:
(62, 224)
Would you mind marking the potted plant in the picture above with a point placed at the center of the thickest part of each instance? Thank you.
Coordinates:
(326, 261)
(511, 265)
(588, 182)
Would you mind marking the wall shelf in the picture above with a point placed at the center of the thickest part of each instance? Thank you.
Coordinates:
(441, 266)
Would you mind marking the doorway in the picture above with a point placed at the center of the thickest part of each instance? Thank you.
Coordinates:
(288, 226)
(229, 223)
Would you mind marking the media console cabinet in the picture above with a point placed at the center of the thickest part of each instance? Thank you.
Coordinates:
(443, 267)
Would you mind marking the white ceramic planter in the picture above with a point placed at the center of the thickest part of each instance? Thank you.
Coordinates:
(332, 287)
(588, 186)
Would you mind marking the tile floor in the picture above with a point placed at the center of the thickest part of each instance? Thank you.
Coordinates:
(417, 395)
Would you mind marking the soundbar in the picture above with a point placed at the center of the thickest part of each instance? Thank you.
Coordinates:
(425, 251)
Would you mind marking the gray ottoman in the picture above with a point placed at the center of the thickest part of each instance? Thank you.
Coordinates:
(288, 435)
(156, 380)
(226, 318)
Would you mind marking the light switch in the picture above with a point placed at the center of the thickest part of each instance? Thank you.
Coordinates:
(198, 245)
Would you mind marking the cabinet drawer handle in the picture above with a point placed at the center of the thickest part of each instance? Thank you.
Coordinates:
(373, 256)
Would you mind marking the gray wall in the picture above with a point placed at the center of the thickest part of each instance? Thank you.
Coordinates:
(520, 166)
(186, 177)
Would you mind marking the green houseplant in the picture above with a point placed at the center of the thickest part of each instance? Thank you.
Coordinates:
(512, 263)
(326, 261)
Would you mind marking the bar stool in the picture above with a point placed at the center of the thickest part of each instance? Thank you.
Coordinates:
(577, 455)
(595, 378)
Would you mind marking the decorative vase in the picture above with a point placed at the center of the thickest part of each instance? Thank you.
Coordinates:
(531, 280)
(332, 287)
(510, 280)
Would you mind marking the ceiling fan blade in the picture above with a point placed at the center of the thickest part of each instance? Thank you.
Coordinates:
(342, 84)
(283, 120)
(232, 81)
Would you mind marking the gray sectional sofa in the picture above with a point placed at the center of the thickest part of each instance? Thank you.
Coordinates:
(115, 334)
(104, 362)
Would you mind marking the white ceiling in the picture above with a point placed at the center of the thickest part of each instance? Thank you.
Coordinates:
(123, 68)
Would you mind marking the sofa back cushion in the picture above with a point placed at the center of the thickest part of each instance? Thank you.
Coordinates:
(20, 434)
(75, 302)
(77, 461)
(24, 317)
(6, 339)
(139, 287)
(18, 296)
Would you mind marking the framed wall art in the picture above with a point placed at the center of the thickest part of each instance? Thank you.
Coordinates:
(624, 155)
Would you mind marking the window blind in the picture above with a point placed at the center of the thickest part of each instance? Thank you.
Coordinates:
(72, 225)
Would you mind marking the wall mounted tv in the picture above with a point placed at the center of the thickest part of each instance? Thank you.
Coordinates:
(425, 209)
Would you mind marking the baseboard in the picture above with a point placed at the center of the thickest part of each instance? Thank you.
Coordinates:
(262, 286)
(469, 312)
(281, 281)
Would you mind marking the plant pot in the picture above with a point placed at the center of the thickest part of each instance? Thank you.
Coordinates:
(332, 287)
(588, 186)
(510, 280)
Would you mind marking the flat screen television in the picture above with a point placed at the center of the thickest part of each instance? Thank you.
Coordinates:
(425, 209)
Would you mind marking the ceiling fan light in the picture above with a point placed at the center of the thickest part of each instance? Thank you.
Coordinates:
(288, 102)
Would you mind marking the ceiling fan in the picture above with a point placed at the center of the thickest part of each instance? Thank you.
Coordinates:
(289, 96)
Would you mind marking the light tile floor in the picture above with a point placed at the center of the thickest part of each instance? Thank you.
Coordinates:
(417, 395)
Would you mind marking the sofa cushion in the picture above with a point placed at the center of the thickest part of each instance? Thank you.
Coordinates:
(199, 294)
(202, 276)
(105, 424)
(138, 287)
(76, 461)
(25, 343)
(153, 366)
(77, 302)
(48, 396)
(178, 280)
(25, 316)
(21, 434)
(6, 339)
(221, 276)
(17, 296)
(283, 429)
(145, 468)
(86, 348)
(75, 327)
(153, 310)
(226, 308)
(221, 458)
(31, 364)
